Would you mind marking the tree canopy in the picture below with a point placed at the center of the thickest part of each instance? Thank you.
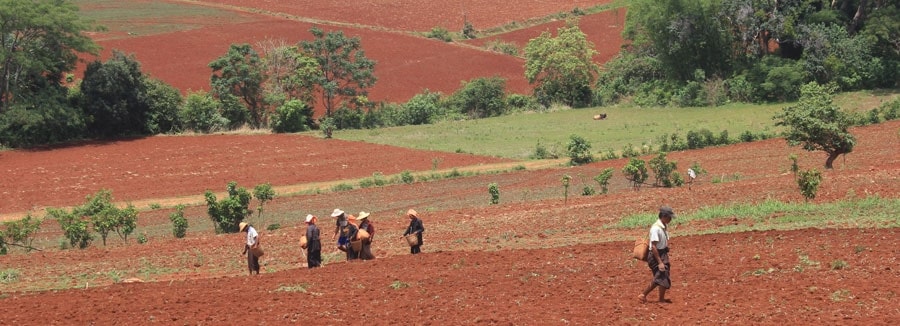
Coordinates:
(817, 124)
(561, 67)
(346, 71)
(39, 43)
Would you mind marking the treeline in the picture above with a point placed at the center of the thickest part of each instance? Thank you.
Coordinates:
(679, 53)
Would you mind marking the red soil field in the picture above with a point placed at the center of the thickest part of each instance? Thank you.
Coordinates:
(604, 30)
(406, 65)
(534, 259)
(412, 15)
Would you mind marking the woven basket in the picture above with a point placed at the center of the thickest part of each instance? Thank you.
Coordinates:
(303, 242)
(412, 239)
(641, 249)
(356, 245)
(257, 251)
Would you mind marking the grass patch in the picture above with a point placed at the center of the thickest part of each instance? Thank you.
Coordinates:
(396, 285)
(872, 211)
(152, 17)
(302, 288)
(10, 275)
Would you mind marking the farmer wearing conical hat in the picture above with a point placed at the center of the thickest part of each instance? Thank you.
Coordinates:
(251, 243)
(365, 224)
(415, 227)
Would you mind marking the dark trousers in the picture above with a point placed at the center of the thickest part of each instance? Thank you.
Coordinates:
(415, 249)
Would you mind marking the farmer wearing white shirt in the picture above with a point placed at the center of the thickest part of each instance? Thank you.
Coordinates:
(252, 243)
(658, 259)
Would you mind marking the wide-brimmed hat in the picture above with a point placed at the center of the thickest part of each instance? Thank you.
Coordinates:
(362, 216)
(309, 218)
(337, 212)
(666, 211)
(412, 212)
(242, 226)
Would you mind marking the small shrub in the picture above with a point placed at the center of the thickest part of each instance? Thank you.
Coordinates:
(399, 285)
(494, 190)
(603, 179)
(227, 213)
(565, 181)
(579, 150)
(636, 172)
(407, 177)
(507, 48)
(179, 222)
(379, 179)
(142, 238)
(809, 181)
(341, 187)
(629, 151)
(609, 154)
(468, 30)
(795, 167)
(366, 183)
(273, 227)
(8, 276)
(155, 206)
(838, 264)
(588, 191)
(75, 229)
(439, 33)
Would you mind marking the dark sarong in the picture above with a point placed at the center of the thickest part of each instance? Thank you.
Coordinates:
(314, 254)
(660, 278)
(252, 261)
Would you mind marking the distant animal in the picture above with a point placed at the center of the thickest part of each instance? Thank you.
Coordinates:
(601, 116)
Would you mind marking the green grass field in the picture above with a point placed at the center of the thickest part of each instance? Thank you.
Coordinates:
(134, 17)
(516, 136)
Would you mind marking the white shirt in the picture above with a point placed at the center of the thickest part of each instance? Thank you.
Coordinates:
(251, 236)
(658, 233)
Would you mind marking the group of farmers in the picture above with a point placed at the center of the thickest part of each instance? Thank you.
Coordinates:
(354, 235)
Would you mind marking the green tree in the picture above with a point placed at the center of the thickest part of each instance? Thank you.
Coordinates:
(481, 97)
(19, 233)
(112, 95)
(817, 124)
(200, 113)
(291, 74)
(39, 42)
(163, 103)
(228, 212)
(238, 77)
(346, 71)
(562, 67)
(75, 227)
(603, 179)
(636, 172)
(263, 193)
(579, 150)
(106, 217)
(292, 116)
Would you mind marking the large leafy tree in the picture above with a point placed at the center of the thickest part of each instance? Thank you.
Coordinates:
(291, 74)
(561, 67)
(112, 96)
(39, 42)
(817, 124)
(238, 77)
(346, 71)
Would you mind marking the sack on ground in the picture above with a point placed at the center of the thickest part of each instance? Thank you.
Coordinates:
(303, 242)
(641, 248)
(412, 239)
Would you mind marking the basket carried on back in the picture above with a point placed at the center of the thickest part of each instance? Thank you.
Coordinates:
(412, 239)
(641, 248)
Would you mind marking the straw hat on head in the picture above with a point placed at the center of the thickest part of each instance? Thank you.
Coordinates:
(362, 216)
(309, 218)
(242, 226)
(412, 212)
(337, 212)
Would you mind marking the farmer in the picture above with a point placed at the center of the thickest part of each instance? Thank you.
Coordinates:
(351, 231)
(339, 223)
(313, 242)
(415, 227)
(366, 224)
(251, 243)
(658, 259)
